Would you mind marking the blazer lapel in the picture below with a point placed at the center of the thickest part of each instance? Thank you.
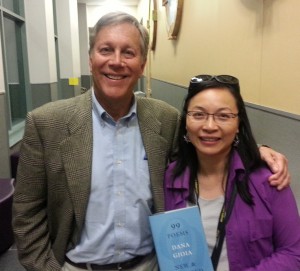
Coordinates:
(76, 151)
(156, 150)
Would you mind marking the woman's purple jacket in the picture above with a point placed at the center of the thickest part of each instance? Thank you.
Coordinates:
(262, 237)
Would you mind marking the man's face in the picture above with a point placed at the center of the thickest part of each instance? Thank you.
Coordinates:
(116, 62)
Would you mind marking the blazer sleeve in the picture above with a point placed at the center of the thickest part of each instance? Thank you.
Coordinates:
(29, 204)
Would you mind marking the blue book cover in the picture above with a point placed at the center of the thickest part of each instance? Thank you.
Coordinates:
(180, 240)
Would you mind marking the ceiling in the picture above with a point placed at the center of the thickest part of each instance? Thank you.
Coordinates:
(101, 2)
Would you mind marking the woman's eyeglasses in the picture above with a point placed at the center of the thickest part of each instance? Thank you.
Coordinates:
(220, 118)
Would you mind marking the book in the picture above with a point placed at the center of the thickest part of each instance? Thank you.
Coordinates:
(180, 241)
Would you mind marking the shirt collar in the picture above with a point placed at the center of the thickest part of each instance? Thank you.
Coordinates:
(104, 117)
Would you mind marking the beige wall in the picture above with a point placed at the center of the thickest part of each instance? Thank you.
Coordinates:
(258, 41)
(96, 11)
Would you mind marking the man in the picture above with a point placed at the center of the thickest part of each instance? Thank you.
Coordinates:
(91, 168)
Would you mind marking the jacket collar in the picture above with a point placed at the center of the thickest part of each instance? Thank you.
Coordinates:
(236, 168)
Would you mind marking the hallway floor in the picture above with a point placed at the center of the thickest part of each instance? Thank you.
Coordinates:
(9, 261)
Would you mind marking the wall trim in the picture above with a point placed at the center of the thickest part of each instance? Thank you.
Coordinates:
(16, 133)
(273, 111)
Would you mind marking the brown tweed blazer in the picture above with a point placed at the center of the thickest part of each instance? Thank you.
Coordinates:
(54, 173)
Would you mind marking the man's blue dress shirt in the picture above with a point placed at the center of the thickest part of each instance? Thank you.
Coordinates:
(116, 225)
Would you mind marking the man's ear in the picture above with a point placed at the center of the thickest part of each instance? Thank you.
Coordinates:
(90, 64)
(143, 67)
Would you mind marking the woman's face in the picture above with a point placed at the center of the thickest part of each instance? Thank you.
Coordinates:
(212, 135)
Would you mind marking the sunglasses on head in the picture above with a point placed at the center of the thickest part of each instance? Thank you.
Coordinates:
(224, 79)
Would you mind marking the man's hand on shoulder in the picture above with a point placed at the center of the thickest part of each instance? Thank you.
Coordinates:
(278, 164)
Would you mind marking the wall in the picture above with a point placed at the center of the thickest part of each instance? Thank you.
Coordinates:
(40, 41)
(68, 47)
(84, 46)
(257, 41)
(41, 52)
(95, 12)
(4, 145)
(281, 131)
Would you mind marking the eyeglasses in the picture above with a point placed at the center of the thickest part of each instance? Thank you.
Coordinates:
(224, 79)
(220, 118)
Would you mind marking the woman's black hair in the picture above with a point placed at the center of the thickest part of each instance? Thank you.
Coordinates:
(247, 147)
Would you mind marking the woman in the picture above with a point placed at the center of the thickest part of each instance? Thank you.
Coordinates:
(219, 168)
